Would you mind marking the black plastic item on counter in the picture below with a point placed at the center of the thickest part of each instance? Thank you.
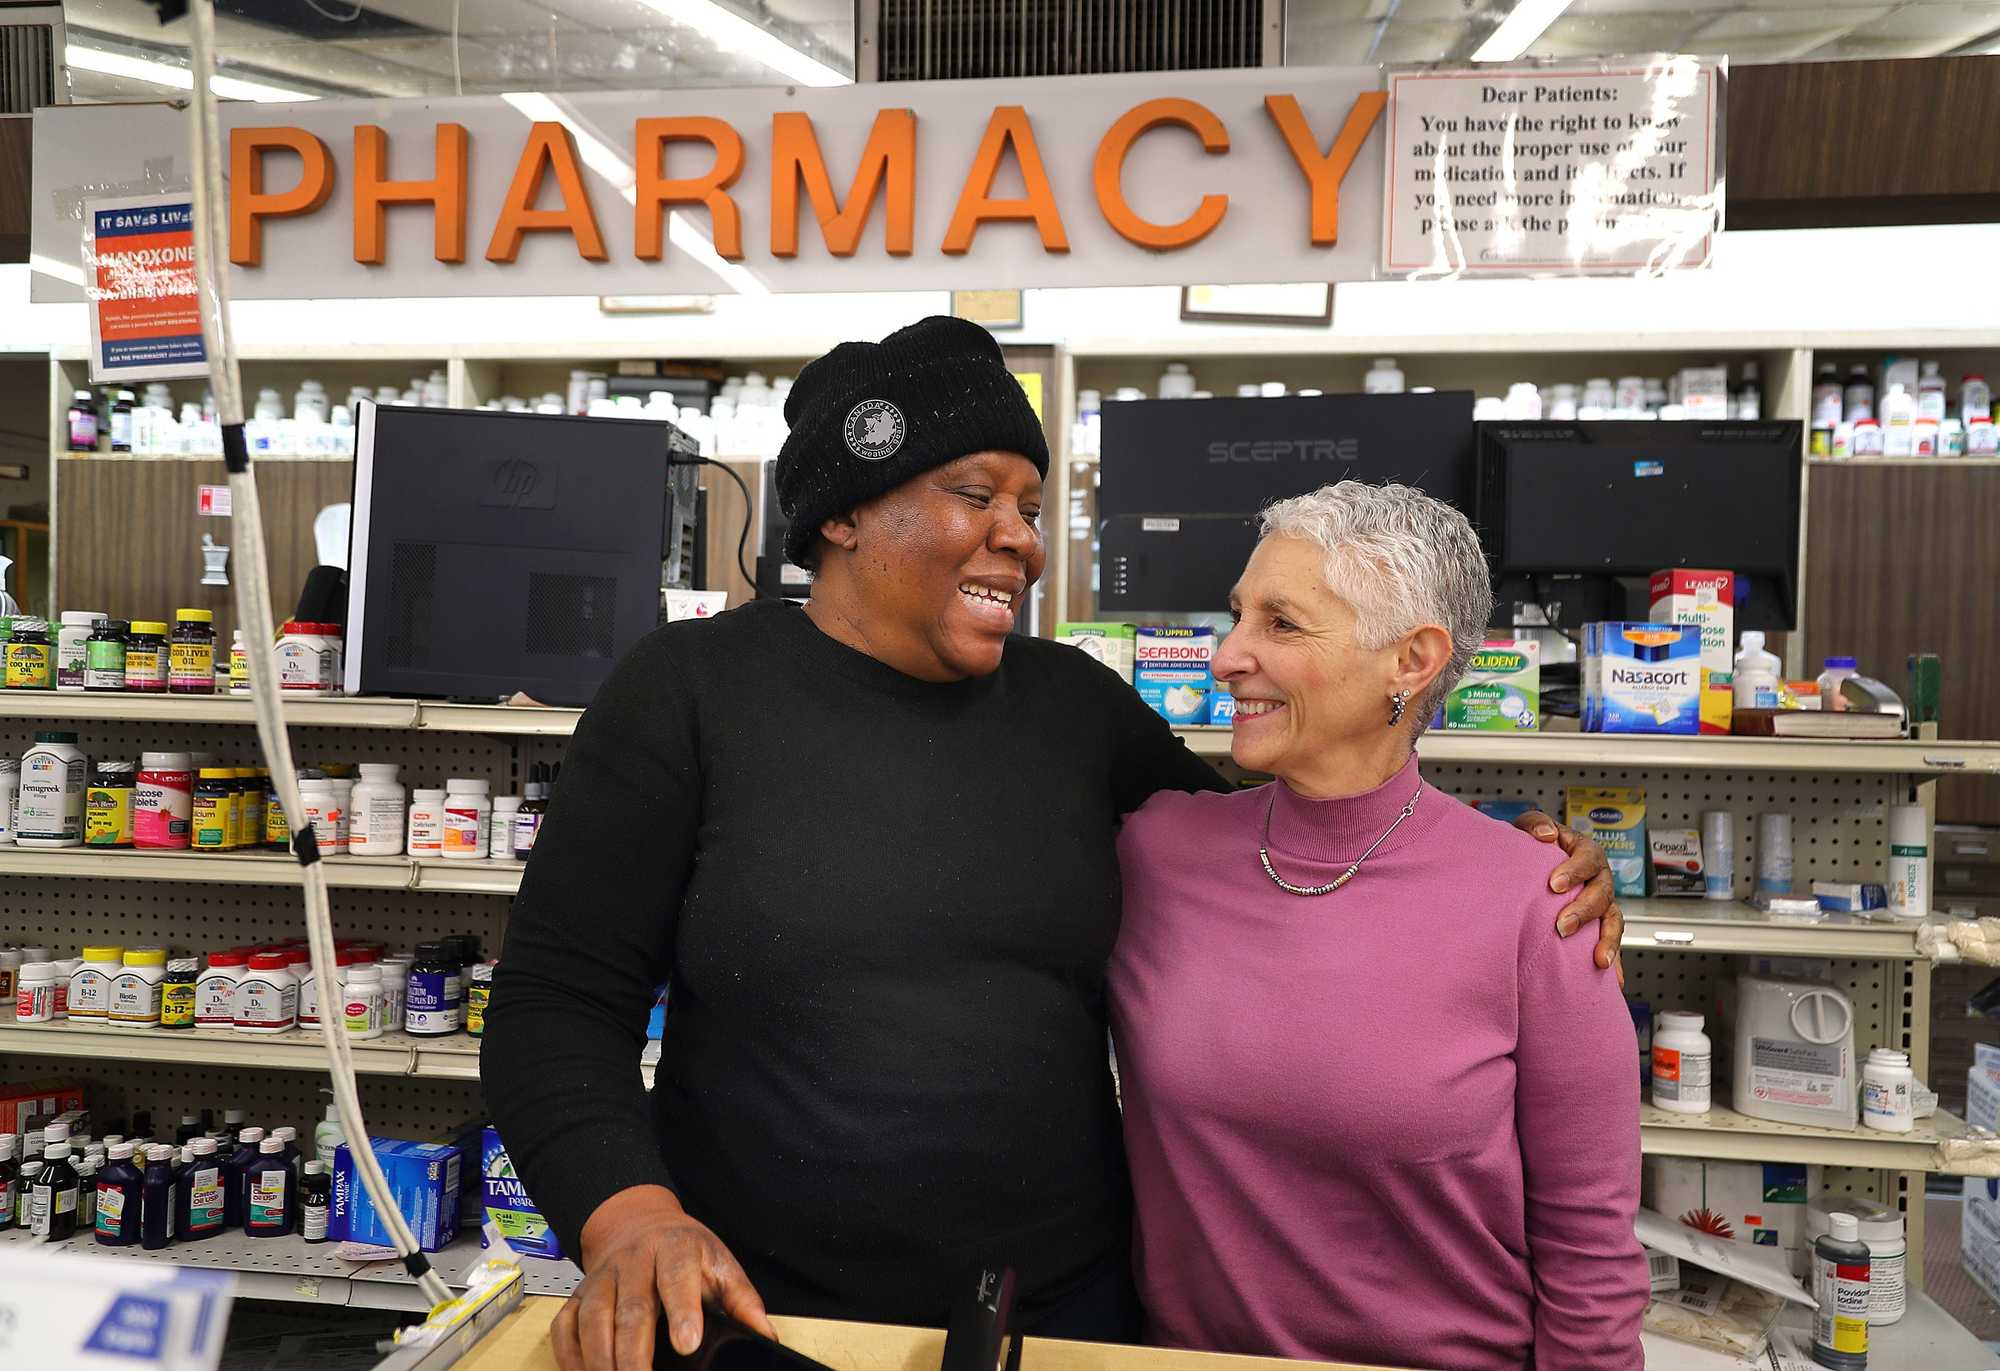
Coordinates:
(981, 1331)
(727, 1345)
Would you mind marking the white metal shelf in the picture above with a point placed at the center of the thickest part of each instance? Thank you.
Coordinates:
(1638, 751)
(393, 1054)
(479, 876)
(1942, 1143)
(1914, 757)
(291, 1269)
(453, 1057)
(1698, 925)
(305, 712)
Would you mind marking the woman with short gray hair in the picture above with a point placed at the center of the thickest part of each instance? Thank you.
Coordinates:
(1351, 1140)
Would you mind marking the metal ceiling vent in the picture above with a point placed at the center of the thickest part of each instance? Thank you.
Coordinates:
(31, 38)
(933, 40)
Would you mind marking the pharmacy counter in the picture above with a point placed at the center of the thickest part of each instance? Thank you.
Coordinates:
(521, 1343)
(1926, 1340)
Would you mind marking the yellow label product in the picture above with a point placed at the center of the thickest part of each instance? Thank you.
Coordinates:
(214, 823)
(29, 667)
(145, 668)
(177, 1004)
(1616, 817)
(107, 815)
(192, 662)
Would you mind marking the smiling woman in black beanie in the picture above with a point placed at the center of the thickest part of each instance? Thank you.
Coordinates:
(871, 845)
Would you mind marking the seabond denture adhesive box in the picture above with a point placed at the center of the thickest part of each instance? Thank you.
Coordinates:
(1648, 678)
(1171, 668)
(1706, 599)
(423, 1177)
(507, 1204)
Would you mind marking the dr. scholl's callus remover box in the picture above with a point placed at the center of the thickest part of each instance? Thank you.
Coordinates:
(1649, 678)
(507, 1203)
(1171, 669)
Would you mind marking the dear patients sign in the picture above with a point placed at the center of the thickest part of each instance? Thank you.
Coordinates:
(1235, 176)
(144, 315)
(1578, 167)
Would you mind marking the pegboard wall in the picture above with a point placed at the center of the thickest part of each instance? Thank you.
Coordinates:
(1839, 833)
(1839, 821)
(193, 917)
(113, 1090)
(428, 757)
(63, 912)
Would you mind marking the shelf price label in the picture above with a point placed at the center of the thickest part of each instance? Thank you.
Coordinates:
(94, 1314)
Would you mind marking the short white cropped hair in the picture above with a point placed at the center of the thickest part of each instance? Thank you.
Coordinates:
(1400, 559)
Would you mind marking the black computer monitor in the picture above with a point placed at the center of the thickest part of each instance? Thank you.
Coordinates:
(499, 552)
(1181, 481)
(1616, 500)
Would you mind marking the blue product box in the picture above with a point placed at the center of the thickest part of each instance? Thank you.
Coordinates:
(507, 1205)
(1649, 678)
(1506, 811)
(1171, 668)
(423, 1177)
(1222, 706)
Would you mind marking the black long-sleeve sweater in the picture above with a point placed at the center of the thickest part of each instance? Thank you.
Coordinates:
(885, 908)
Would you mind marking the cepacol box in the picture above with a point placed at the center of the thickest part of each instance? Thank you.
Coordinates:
(1171, 669)
(1706, 599)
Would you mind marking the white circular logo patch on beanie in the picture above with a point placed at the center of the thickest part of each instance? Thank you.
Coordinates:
(874, 430)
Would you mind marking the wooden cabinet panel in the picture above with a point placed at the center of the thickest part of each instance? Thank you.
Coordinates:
(1902, 560)
(128, 539)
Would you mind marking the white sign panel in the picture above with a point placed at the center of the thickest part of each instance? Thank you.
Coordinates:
(138, 262)
(1221, 176)
(1563, 168)
(92, 1314)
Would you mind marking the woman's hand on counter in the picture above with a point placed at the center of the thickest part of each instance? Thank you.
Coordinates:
(643, 1254)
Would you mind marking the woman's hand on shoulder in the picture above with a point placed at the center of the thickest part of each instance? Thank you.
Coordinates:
(650, 1266)
(1586, 870)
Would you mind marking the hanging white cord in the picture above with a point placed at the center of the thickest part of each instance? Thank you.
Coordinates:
(253, 612)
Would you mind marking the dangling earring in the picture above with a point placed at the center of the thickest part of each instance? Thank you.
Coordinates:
(1396, 703)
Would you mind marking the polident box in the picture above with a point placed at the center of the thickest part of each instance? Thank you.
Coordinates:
(1170, 666)
(423, 1177)
(1617, 819)
(1648, 678)
(1110, 644)
(507, 1204)
(1501, 690)
(1706, 599)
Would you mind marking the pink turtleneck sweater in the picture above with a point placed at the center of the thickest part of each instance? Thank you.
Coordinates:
(1397, 1124)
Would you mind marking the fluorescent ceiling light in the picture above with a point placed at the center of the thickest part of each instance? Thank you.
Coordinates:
(730, 31)
(1519, 30)
(108, 63)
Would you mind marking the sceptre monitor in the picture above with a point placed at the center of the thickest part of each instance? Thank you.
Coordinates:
(1182, 481)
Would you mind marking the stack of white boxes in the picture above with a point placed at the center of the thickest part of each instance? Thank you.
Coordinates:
(1979, 1235)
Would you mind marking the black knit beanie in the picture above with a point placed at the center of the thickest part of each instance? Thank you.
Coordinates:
(867, 417)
